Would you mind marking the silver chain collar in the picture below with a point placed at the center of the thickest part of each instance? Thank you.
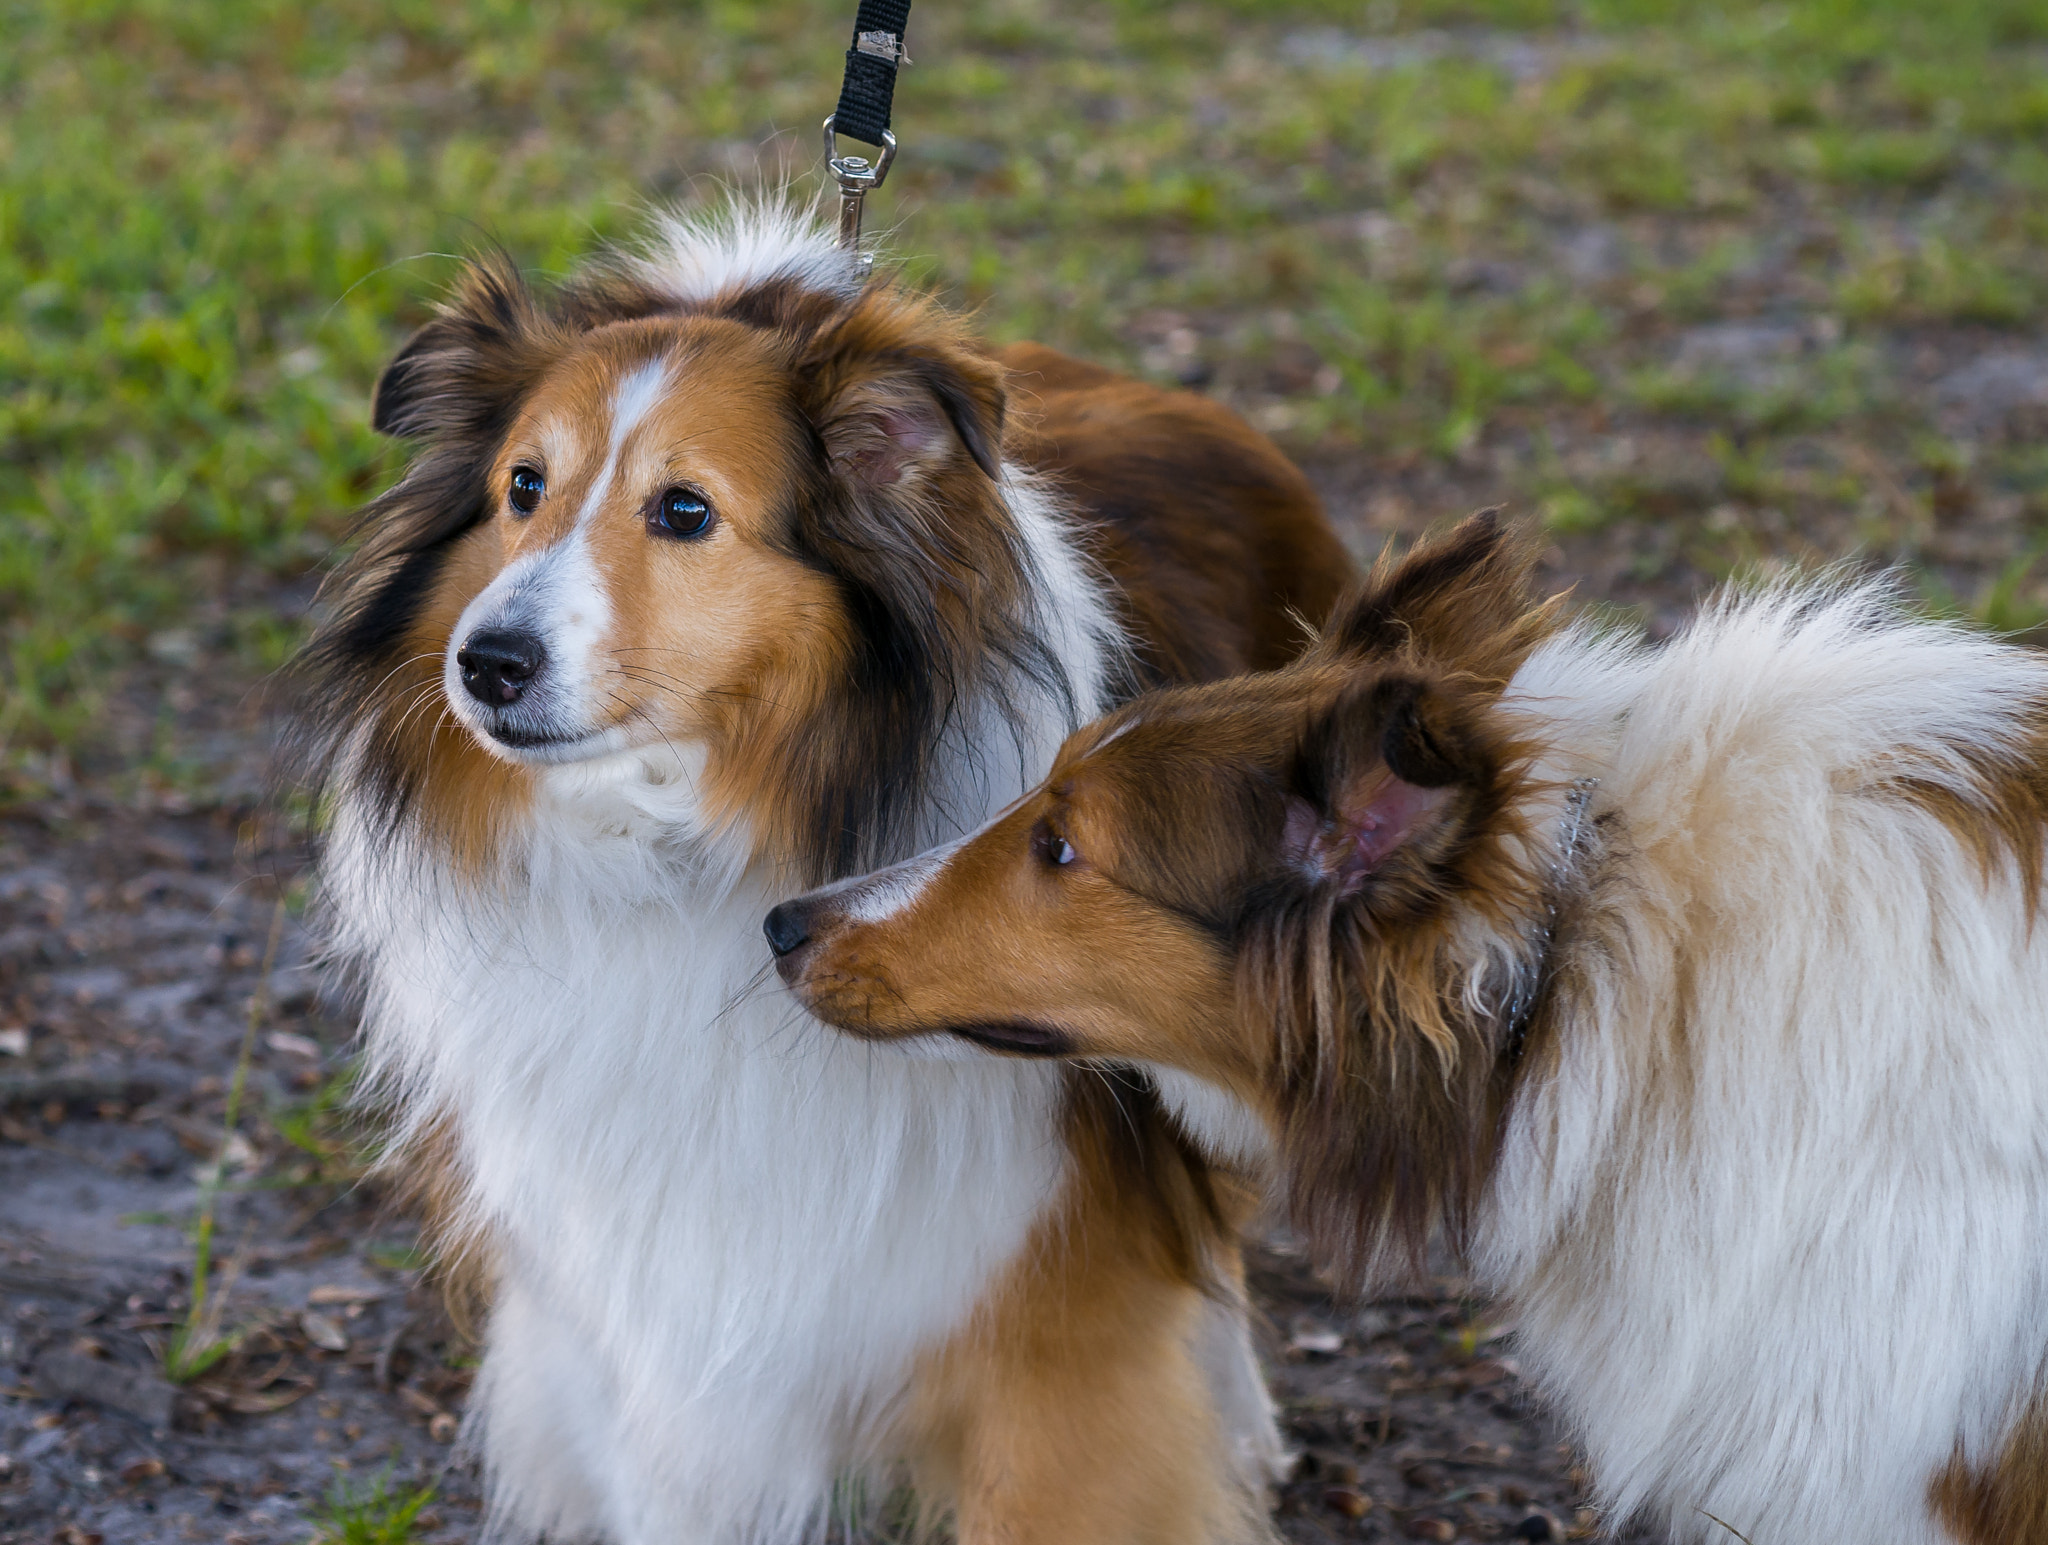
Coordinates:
(1520, 1008)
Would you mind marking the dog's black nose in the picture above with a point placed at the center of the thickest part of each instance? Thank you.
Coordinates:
(787, 928)
(497, 664)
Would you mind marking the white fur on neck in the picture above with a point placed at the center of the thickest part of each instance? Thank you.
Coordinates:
(1221, 1124)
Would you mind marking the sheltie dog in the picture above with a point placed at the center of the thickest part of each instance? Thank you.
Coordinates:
(1700, 992)
(720, 571)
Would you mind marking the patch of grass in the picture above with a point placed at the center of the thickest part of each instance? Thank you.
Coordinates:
(1934, 274)
(1568, 512)
(199, 1341)
(325, 1132)
(1413, 231)
(2014, 601)
(376, 1512)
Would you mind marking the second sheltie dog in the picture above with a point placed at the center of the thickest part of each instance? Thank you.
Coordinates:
(720, 571)
(1701, 992)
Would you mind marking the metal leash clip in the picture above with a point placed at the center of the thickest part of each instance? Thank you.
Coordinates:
(857, 177)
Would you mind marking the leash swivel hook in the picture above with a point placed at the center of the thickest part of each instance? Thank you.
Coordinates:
(857, 177)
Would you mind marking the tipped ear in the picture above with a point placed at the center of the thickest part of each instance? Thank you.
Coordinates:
(896, 396)
(1453, 597)
(464, 370)
(1378, 785)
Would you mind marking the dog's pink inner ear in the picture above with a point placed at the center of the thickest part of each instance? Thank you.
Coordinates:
(1392, 813)
(881, 446)
(1369, 826)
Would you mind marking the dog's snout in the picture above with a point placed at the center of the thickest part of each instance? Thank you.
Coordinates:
(788, 928)
(498, 664)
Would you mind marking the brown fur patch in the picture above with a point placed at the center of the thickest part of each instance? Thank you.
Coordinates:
(2004, 1502)
(2003, 819)
(431, 1185)
(1216, 542)
(1073, 1407)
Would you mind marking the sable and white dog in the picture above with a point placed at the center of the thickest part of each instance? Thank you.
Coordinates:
(1701, 991)
(721, 571)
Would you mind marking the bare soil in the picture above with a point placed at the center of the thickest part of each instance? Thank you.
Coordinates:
(131, 943)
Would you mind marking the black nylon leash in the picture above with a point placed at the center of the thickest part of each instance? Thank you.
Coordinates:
(865, 97)
(871, 65)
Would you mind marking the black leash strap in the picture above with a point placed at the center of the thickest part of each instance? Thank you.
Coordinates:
(871, 64)
(863, 111)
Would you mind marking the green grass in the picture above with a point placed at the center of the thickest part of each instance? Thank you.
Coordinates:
(376, 1512)
(218, 217)
(199, 1342)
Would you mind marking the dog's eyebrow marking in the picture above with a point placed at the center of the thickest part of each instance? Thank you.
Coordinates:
(560, 446)
(634, 398)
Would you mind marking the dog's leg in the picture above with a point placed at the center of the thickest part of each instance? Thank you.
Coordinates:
(1100, 1399)
(1237, 1386)
(537, 1411)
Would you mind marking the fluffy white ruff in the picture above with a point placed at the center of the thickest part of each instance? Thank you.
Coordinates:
(1775, 1213)
(727, 1231)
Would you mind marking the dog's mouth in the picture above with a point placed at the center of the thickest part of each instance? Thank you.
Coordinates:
(1016, 1037)
(531, 740)
(540, 745)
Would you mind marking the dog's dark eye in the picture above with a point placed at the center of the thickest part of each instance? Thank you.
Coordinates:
(680, 512)
(1052, 847)
(527, 487)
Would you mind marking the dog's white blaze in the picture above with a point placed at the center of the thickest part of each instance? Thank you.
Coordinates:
(558, 593)
(1116, 734)
(632, 400)
(894, 889)
(578, 612)
(1775, 1219)
(561, 445)
(887, 892)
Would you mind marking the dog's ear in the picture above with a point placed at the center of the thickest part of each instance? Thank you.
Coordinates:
(898, 395)
(465, 371)
(1461, 598)
(1381, 1087)
(1379, 791)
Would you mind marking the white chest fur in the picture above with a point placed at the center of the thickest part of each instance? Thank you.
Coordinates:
(727, 1231)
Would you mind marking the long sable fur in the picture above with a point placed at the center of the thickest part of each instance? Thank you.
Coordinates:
(1391, 1087)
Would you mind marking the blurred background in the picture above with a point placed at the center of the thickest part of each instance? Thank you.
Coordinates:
(1698, 286)
(1695, 284)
